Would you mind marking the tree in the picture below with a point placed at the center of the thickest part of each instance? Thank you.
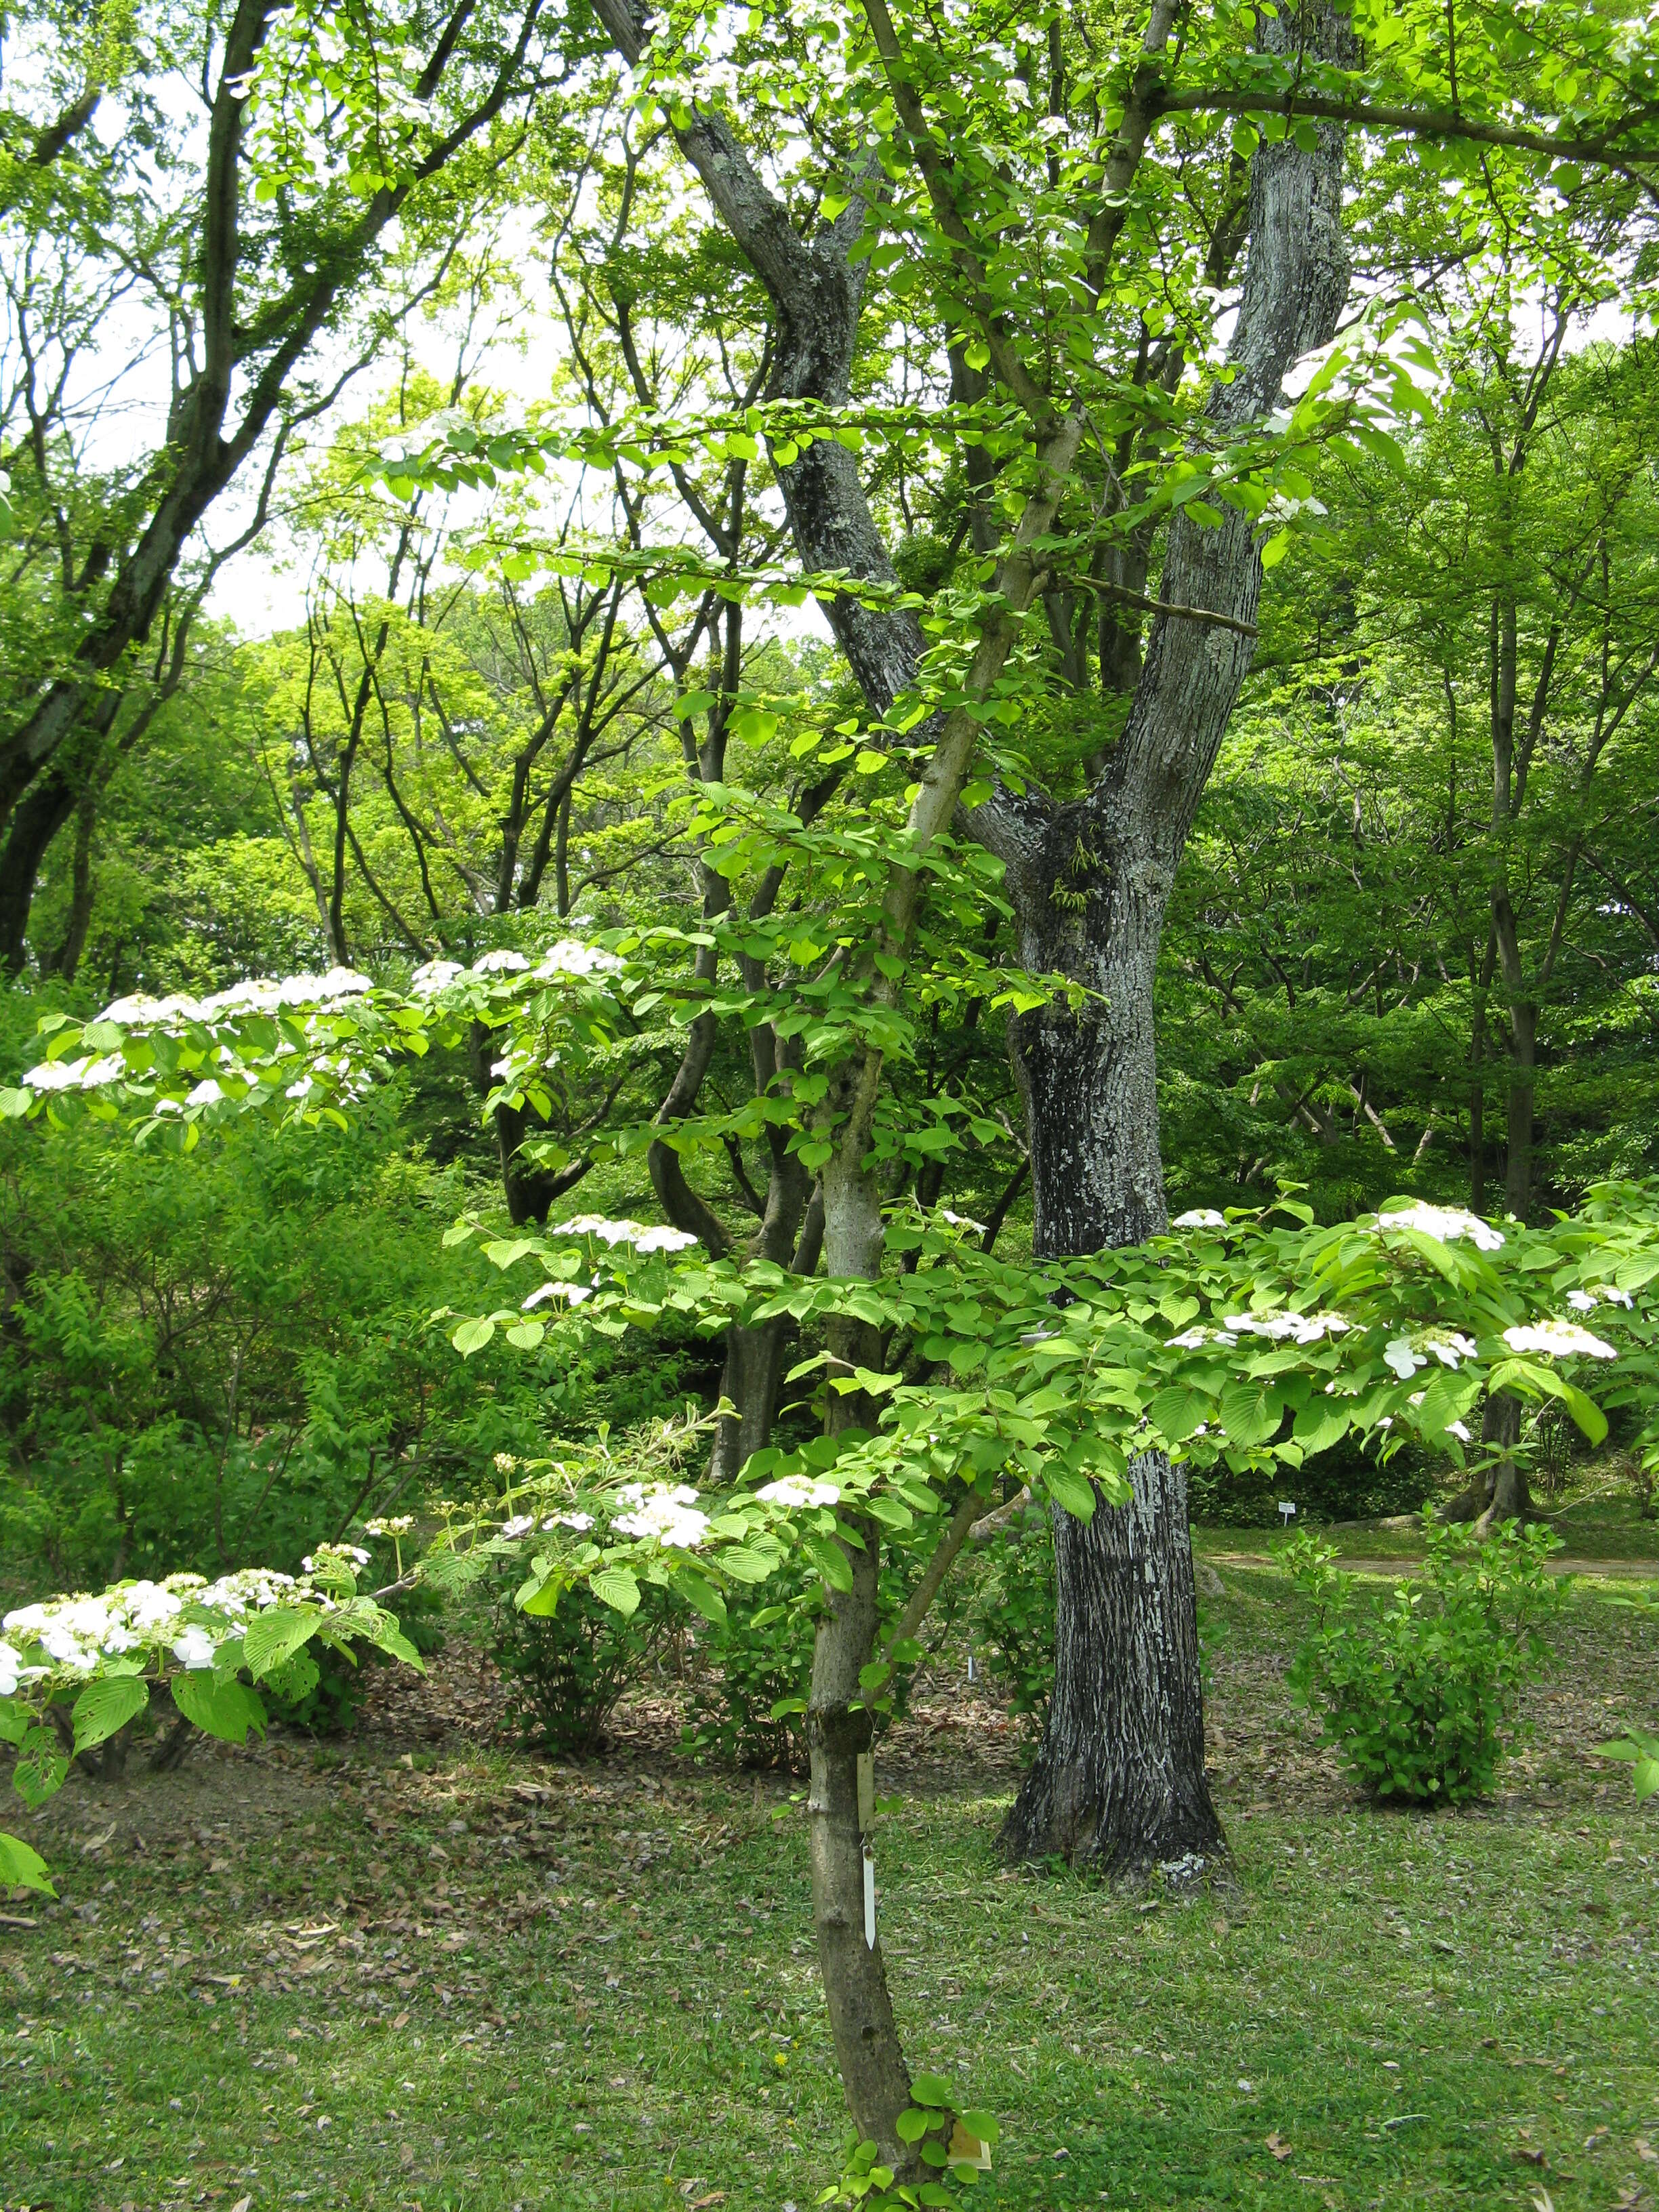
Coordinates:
(240, 239)
(1044, 323)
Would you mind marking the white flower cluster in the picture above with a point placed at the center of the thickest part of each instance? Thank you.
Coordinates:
(257, 995)
(575, 1292)
(568, 956)
(1300, 1328)
(667, 1511)
(1200, 1217)
(1559, 1339)
(75, 1632)
(1603, 1294)
(397, 1524)
(799, 1490)
(82, 1075)
(517, 1524)
(331, 1555)
(1445, 1224)
(626, 1232)
(571, 1519)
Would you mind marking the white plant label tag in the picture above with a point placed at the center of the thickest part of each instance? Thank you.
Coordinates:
(869, 1898)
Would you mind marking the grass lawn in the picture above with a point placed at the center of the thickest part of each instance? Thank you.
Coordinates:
(438, 1975)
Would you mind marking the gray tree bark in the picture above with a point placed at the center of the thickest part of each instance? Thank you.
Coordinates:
(1119, 1782)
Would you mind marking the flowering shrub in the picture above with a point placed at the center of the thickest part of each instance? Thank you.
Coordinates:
(1418, 1692)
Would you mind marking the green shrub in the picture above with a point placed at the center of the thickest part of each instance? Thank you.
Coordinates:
(320, 1689)
(565, 1673)
(748, 1704)
(1012, 1615)
(1420, 1692)
(760, 1661)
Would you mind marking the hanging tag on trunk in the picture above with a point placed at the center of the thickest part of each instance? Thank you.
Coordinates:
(867, 1791)
(966, 2149)
(869, 1898)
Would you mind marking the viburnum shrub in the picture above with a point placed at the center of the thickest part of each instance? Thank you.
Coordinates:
(1420, 1692)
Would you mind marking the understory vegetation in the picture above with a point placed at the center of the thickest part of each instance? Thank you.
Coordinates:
(500, 1981)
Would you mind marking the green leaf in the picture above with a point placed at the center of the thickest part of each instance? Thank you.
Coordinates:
(981, 2124)
(932, 2090)
(106, 1705)
(830, 1560)
(296, 1678)
(472, 1336)
(911, 2127)
(702, 1594)
(14, 1721)
(275, 1636)
(617, 1588)
(1250, 1411)
(1320, 1423)
(21, 1868)
(1645, 1775)
(1071, 1492)
(40, 1768)
(543, 1601)
(227, 1710)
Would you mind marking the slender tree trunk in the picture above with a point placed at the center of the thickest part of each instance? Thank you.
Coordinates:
(867, 2048)
(67, 957)
(1523, 1054)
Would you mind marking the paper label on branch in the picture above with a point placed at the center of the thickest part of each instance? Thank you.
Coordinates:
(969, 2150)
(869, 1898)
(867, 1791)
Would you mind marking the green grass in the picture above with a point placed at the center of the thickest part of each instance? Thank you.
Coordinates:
(605, 1995)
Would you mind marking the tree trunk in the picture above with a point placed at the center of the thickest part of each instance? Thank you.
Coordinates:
(67, 957)
(867, 2049)
(1523, 1051)
(1119, 1785)
(1120, 1780)
(1509, 1496)
(35, 822)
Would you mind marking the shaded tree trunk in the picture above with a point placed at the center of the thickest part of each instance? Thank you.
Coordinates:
(35, 820)
(1498, 1492)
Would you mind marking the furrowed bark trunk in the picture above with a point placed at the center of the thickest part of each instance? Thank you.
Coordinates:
(1119, 1785)
(1120, 1781)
